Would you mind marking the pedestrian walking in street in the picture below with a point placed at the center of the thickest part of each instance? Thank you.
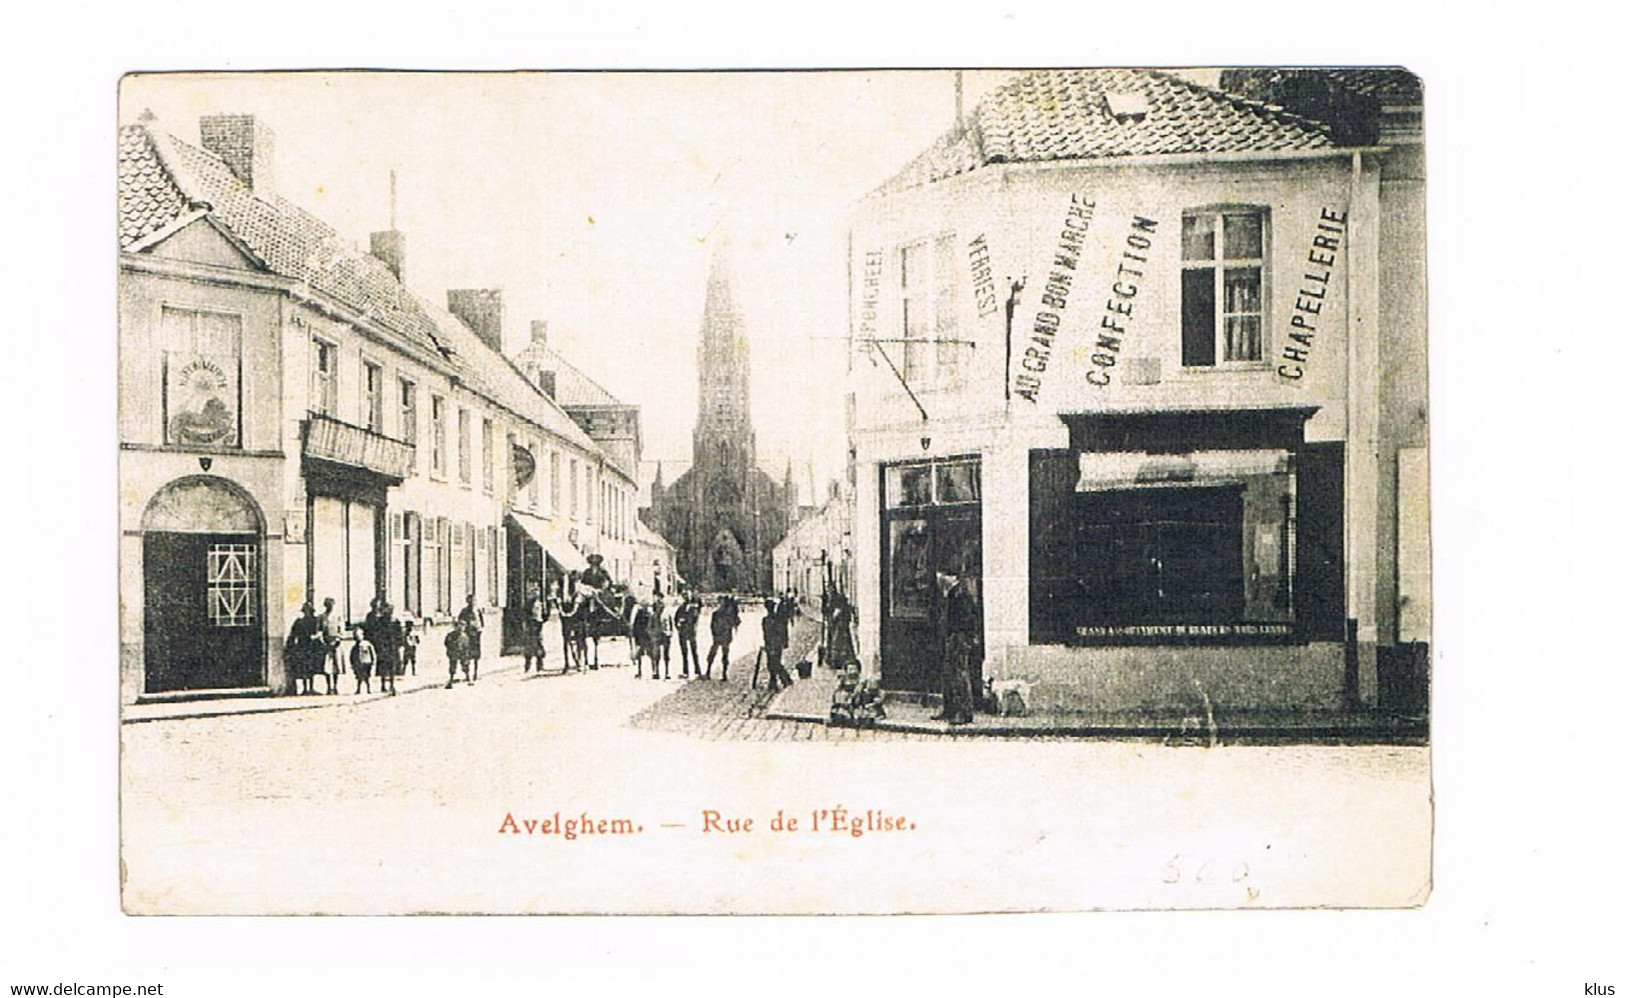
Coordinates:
(536, 614)
(775, 639)
(332, 634)
(641, 622)
(686, 620)
(456, 653)
(363, 657)
(473, 619)
(305, 650)
(724, 621)
(660, 628)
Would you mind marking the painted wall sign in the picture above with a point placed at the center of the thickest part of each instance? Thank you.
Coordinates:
(200, 393)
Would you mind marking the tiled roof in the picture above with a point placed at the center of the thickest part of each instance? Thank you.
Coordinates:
(1048, 115)
(492, 375)
(572, 386)
(1389, 85)
(165, 173)
(161, 179)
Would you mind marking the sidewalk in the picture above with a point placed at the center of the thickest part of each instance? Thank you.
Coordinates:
(809, 700)
(431, 674)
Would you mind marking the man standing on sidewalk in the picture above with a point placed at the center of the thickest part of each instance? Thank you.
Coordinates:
(687, 622)
(959, 625)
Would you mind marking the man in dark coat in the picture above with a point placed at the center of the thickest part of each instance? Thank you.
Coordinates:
(724, 620)
(775, 639)
(536, 613)
(687, 622)
(958, 620)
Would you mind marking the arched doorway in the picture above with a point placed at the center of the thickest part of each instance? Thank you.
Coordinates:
(204, 593)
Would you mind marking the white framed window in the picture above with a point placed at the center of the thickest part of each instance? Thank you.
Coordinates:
(372, 396)
(324, 377)
(928, 283)
(409, 416)
(465, 446)
(1223, 281)
(437, 421)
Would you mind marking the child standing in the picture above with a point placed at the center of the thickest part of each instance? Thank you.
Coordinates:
(456, 653)
(410, 639)
(363, 656)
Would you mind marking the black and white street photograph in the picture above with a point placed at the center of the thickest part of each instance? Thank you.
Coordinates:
(773, 500)
(773, 473)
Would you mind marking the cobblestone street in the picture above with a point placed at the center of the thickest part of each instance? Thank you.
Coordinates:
(398, 804)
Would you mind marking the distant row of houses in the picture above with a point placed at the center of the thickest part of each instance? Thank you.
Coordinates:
(296, 425)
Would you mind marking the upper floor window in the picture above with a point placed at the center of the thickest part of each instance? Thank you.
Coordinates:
(552, 482)
(372, 396)
(928, 281)
(437, 421)
(488, 456)
(202, 391)
(465, 446)
(1222, 290)
(409, 412)
(324, 378)
(575, 489)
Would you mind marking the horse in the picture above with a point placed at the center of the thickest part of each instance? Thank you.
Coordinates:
(602, 615)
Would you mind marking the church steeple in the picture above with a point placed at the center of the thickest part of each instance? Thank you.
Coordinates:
(724, 358)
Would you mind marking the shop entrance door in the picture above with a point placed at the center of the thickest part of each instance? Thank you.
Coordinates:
(931, 522)
(203, 624)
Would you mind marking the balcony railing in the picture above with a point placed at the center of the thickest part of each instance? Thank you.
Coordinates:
(330, 439)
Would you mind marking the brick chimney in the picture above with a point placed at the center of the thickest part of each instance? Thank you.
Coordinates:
(390, 247)
(247, 147)
(548, 383)
(538, 332)
(481, 310)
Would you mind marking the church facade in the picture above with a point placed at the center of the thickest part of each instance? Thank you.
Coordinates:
(724, 514)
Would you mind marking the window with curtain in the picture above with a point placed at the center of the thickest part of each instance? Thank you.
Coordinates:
(1222, 286)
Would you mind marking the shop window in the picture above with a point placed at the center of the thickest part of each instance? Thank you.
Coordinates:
(1160, 555)
(934, 483)
(1145, 546)
(1222, 286)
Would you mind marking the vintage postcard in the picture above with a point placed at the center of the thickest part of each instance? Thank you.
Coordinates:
(773, 492)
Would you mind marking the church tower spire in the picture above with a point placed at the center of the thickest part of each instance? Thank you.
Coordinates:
(724, 371)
